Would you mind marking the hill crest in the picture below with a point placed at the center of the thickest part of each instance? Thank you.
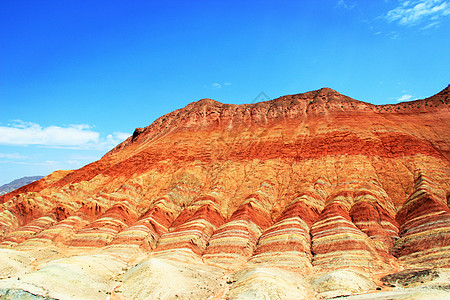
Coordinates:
(306, 196)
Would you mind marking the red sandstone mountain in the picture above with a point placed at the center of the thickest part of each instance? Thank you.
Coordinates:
(257, 196)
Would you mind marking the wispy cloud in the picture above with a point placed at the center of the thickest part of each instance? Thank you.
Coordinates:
(79, 136)
(345, 4)
(431, 25)
(117, 137)
(405, 97)
(70, 162)
(27, 133)
(217, 85)
(410, 13)
(13, 156)
(393, 35)
(46, 163)
(80, 160)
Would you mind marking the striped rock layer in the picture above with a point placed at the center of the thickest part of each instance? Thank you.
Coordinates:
(294, 184)
(425, 227)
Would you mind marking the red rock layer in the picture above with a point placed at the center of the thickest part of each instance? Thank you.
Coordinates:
(234, 242)
(194, 226)
(338, 243)
(314, 125)
(36, 185)
(62, 232)
(146, 231)
(35, 227)
(287, 243)
(155, 222)
(102, 231)
(320, 148)
(425, 226)
(23, 209)
(373, 213)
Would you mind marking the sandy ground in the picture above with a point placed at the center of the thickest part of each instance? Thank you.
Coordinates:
(182, 275)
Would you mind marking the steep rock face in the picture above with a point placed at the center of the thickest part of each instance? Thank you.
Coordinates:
(288, 242)
(194, 226)
(234, 242)
(337, 243)
(425, 230)
(103, 230)
(305, 184)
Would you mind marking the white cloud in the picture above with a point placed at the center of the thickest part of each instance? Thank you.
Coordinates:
(122, 135)
(431, 25)
(217, 85)
(13, 156)
(72, 136)
(74, 162)
(116, 138)
(345, 4)
(405, 97)
(78, 157)
(46, 163)
(393, 35)
(414, 12)
(27, 133)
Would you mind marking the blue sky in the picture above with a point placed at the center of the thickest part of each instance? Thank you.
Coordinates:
(76, 77)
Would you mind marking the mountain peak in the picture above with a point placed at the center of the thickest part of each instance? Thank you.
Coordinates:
(322, 102)
(220, 195)
(205, 102)
(328, 90)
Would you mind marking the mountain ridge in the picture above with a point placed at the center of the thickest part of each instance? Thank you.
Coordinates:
(17, 183)
(314, 195)
(312, 103)
(313, 97)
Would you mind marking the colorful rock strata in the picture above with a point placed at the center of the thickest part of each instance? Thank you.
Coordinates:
(313, 195)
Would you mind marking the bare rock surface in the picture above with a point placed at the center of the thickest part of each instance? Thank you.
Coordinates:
(82, 277)
(306, 196)
(342, 283)
(14, 263)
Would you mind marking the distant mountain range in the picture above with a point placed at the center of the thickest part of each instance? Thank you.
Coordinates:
(15, 184)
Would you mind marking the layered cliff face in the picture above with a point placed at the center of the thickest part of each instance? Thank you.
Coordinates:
(308, 195)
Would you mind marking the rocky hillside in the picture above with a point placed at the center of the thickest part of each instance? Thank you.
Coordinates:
(15, 184)
(313, 195)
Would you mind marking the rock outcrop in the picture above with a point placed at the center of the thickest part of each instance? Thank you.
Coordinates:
(308, 195)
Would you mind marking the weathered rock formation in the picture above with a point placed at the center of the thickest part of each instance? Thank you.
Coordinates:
(308, 195)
